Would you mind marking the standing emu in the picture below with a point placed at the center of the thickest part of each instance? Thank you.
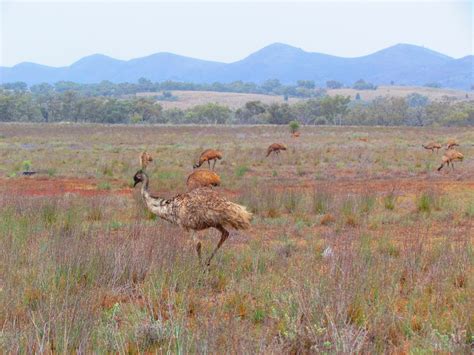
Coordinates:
(275, 147)
(432, 146)
(145, 159)
(208, 155)
(197, 210)
(450, 157)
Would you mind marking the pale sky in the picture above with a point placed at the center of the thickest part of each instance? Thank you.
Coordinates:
(60, 32)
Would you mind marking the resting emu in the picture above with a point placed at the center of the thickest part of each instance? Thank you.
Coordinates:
(202, 178)
(197, 210)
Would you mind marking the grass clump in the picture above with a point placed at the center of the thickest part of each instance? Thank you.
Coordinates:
(241, 170)
(428, 201)
(389, 201)
(321, 202)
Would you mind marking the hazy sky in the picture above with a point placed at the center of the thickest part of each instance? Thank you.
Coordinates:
(60, 32)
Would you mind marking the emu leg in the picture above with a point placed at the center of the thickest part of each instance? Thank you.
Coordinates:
(224, 236)
(214, 165)
(198, 246)
(209, 163)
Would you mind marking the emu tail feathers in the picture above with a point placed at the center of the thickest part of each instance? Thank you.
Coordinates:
(237, 217)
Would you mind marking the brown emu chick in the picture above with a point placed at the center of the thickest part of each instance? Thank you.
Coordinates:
(145, 159)
(450, 157)
(208, 155)
(196, 210)
(432, 146)
(295, 134)
(451, 144)
(275, 147)
(202, 178)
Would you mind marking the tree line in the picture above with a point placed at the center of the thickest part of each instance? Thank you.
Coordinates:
(71, 106)
(303, 88)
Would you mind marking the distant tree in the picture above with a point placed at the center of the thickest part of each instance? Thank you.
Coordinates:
(145, 84)
(42, 89)
(18, 86)
(392, 82)
(416, 100)
(270, 85)
(334, 108)
(361, 84)
(433, 85)
(210, 113)
(279, 114)
(294, 126)
(308, 84)
(333, 84)
(357, 97)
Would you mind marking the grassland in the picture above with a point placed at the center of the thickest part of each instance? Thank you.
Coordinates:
(188, 99)
(358, 244)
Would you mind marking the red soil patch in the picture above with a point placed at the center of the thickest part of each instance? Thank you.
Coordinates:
(382, 185)
(56, 187)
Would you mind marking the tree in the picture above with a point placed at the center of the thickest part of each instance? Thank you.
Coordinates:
(416, 100)
(334, 108)
(270, 85)
(279, 114)
(433, 85)
(333, 84)
(308, 84)
(361, 84)
(18, 86)
(294, 126)
(357, 96)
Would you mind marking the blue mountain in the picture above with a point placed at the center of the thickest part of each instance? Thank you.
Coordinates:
(403, 64)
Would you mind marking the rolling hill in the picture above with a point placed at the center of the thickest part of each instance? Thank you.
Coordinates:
(403, 64)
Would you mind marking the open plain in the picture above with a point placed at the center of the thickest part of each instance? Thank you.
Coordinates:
(358, 243)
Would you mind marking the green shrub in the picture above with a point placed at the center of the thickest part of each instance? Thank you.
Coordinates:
(241, 170)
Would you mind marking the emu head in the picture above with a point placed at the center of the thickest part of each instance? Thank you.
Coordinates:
(138, 177)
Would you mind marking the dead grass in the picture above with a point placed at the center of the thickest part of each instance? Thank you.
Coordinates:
(402, 91)
(87, 269)
(188, 99)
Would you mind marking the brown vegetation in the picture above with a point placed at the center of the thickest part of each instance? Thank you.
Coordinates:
(356, 247)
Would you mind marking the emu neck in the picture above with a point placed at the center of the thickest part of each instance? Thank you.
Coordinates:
(157, 205)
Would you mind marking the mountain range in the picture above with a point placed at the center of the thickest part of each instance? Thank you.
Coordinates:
(403, 64)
